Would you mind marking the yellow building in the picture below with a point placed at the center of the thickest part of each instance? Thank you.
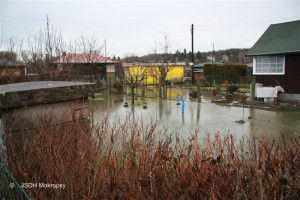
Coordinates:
(9, 68)
(151, 72)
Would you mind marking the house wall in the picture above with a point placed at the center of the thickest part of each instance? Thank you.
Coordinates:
(7, 70)
(290, 81)
(153, 73)
(110, 71)
(198, 75)
(83, 71)
(175, 72)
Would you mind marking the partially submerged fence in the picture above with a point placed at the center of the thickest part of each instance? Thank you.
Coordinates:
(9, 187)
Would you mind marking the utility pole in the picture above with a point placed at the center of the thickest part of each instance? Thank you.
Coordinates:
(105, 55)
(213, 53)
(105, 50)
(156, 60)
(106, 66)
(192, 31)
(166, 47)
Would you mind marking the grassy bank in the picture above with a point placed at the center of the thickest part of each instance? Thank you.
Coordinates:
(133, 160)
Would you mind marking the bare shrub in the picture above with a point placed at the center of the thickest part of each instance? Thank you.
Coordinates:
(118, 85)
(133, 160)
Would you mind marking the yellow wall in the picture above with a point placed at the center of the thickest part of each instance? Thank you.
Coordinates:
(153, 73)
(14, 71)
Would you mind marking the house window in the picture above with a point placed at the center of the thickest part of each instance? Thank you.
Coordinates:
(268, 65)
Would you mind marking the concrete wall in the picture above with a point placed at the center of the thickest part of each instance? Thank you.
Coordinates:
(22, 98)
(289, 97)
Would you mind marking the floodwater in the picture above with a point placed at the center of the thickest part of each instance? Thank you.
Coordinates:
(206, 117)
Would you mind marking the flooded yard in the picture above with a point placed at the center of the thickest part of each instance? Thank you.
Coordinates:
(54, 136)
(206, 117)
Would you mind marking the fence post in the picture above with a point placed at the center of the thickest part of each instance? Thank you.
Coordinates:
(198, 90)
(110, 85)
(252, 91)
(159, 87)
(143, 90)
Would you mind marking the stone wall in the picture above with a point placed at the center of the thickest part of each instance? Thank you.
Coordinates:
(22, 98)
(289, 97)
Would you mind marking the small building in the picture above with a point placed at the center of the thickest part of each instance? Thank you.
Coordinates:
(152, 71)
(225, 58)
(211, 58)
(85, 65)
(276, 58)
(10, 68)
(198, 69)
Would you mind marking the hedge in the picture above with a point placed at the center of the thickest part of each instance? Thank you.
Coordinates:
(233, 73)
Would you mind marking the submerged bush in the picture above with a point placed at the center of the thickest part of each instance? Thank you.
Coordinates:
(132, 160)
(118, 85)
(232, 88)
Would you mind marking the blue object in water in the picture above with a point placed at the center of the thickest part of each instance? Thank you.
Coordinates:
(183, 106)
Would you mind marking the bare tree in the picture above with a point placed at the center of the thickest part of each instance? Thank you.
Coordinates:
(8, 56)
(41, 52)
(164, 68)
(89, 49)
(134, 76)
(48, 51)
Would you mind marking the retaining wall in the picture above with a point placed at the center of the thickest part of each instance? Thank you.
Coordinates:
(24, 94)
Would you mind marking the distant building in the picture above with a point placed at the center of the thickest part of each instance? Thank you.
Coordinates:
(176, 70)
(225, 58)
(86, 65)
(151, 61)
(10, 68)
(276, 57)
(211, 58)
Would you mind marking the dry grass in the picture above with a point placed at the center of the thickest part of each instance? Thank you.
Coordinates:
(127, 160)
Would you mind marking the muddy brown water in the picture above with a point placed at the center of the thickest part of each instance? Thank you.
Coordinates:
(206, 117)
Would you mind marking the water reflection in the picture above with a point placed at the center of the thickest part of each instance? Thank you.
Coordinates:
(208, 117)
(198, 112)
(205, 116)
(31, 117)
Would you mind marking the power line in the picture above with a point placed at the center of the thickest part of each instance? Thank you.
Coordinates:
(243, 26)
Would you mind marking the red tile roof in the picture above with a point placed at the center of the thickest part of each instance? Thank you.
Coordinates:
(84, 58)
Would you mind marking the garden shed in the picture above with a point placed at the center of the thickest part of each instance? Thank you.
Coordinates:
(276, 58)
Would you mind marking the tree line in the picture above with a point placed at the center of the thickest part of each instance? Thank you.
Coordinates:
(234, 55)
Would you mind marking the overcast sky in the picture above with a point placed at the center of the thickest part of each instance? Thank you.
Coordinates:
(134, 26)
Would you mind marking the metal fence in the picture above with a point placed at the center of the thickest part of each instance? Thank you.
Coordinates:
(9, 187)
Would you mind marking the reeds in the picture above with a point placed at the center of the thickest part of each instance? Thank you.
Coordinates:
(133, 160)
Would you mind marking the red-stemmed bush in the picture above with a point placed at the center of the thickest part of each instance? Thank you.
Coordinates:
(128, 159)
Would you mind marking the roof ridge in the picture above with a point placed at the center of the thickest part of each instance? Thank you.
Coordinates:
(281, 38)
(286, 22)
(84, 57)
